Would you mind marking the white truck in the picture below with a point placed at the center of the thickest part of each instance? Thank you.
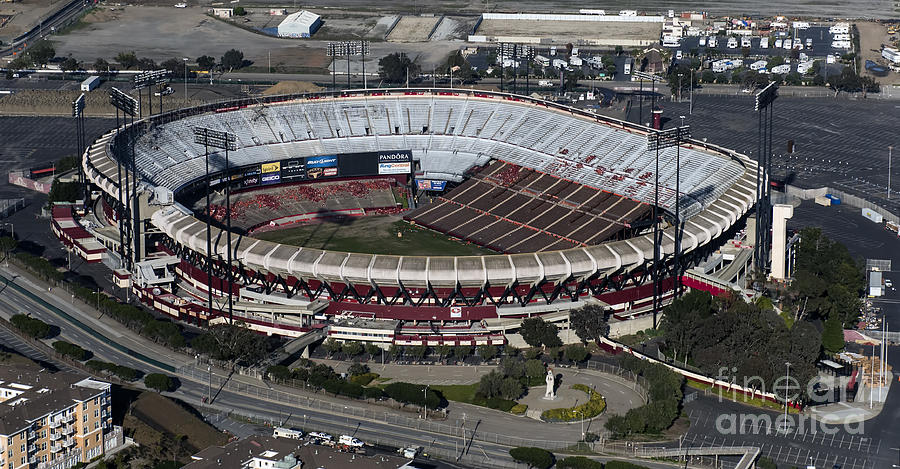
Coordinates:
(543, 61)
(732, 43)
(712, 42)
(764, 43)
(745, 41)
(350, 441)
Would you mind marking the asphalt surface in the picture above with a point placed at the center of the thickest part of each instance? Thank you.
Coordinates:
(838, 142)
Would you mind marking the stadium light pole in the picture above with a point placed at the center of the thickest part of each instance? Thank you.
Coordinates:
(225, 141)
(763, 106)
(78, 114)
(185, 59)
(129, 107)
(890, 154)
(652, 78)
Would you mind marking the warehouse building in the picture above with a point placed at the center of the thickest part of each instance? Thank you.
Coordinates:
(300, 24)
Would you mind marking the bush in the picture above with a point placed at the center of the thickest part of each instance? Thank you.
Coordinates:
(32, 327)
(534, 457)
(279, 372)
(70, 350)
(623, 465)
(363, 379)
(518, 409)
(578, 462)
(407, 393)
(373, 393)
(665, 400)
(358, 369)
(158, 381)
(576, 353)
(590, 409)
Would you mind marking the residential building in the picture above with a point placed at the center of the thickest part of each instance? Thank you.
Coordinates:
(53, 420)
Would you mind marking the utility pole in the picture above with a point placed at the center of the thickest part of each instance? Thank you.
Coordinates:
(890, 151)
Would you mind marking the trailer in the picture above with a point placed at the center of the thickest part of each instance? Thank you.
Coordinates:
(90, 84)
(758, 65)
(823, 201)
(872, 215)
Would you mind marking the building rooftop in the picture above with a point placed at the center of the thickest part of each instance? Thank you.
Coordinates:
(29, 392)
(289, 453)
(302, 17)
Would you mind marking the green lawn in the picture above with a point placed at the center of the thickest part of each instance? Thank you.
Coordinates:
(374, 235)
(458, 392)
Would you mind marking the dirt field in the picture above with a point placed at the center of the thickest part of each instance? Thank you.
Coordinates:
(156, 423)
(373, 235)
(24, 15)
(575, 32)
(871, 37)
(454, 27)
(413, 29)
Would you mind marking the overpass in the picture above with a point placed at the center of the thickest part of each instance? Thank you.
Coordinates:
(748, 454)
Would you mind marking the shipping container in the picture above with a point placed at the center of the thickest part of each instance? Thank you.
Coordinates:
(90, 84)
(872, 215)
(823, 201)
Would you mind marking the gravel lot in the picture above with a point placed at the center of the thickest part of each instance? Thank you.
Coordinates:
(413, 29)
(572, 31)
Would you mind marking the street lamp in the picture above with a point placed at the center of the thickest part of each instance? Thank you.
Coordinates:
(12, 231)
(682, 120)
(890, 150)
(786, 380)
(425, 402)
(679, 86)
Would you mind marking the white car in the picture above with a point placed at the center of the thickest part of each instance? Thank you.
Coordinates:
(181, 5)
(320, 436)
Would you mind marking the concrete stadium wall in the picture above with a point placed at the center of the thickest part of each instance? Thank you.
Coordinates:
(846, 199)
(592, 18)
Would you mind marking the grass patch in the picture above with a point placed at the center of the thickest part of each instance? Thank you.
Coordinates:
(373, 235)
(467, 393)
(635, 339)
(740, 398)
(590, 409)
(364, 379)
(519, 409)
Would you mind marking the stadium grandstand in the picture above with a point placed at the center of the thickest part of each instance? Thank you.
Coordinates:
(563, 196)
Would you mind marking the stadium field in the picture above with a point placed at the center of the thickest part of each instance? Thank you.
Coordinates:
(373, 235)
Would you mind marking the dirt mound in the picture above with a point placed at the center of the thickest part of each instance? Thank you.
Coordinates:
(289, 87)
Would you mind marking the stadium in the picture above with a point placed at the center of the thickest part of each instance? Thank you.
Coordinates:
(471, 210)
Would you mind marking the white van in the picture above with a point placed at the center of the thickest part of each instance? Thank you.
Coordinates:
(745, 41)
(764, 43)
(281, 432)
(350, 441)
(788, 44)
(732, 43)
(712, 42)
(778, 43)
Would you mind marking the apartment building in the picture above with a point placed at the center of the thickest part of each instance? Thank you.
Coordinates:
(53, 420)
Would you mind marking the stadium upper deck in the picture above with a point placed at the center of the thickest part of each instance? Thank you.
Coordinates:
(448, 132)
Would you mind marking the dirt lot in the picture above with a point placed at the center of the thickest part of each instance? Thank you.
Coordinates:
(871, 37)
(154, 421)
(454, 27)
(413, 29)
(576, 32)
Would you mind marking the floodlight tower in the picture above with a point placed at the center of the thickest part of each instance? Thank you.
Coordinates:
(763, 106)
(129, 107)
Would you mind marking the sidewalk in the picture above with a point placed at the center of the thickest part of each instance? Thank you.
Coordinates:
(850, 412)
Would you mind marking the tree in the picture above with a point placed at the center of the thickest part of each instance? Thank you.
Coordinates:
(533, 331)
(576, 353)
(487, 352)
(708, 76)
(232, 343)
(32, 327)
(396, 67)
(42, 52)
(443, 351)
(589, 322)
(239, 11)
(418, 351)
(233, 59)
(511, 388)
(7, 245)
(462, 70)
(534, 457)
(206, 62)
(535, 369)
(127, 59)
(684, 81)
(100, 66)
(489, 384)
(158, 381)
(332, 346)
(373, 350)
(70, 350)
(461, 352)
(357, 369)
(352, 348)
(146, 64)
(174, 66)
(278, 372)
(69, 65)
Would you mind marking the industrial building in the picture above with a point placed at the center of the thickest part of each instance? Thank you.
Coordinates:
(300, 24)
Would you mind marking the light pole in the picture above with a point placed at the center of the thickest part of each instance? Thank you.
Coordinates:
(185, 59)
(425, 402)
(12, 231)
(786, 380)
(209, 387)
(691, 106)
(679, 86)
(890, 151)
(682, 120)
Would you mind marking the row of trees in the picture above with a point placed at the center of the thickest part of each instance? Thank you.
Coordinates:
(664, 404)
(750, 343)
(32, 327)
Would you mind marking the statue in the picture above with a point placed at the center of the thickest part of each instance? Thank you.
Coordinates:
(551, 381)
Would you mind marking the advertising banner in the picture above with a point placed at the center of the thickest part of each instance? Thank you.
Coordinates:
(394, 168)
(292, 169)
(430, 185)
(322, 162)
(250, 176)
(271, 178)
(271, 167)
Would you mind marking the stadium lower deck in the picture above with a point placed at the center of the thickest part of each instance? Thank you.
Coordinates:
(513, 209)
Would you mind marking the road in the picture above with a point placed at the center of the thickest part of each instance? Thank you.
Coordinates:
(66, 13)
